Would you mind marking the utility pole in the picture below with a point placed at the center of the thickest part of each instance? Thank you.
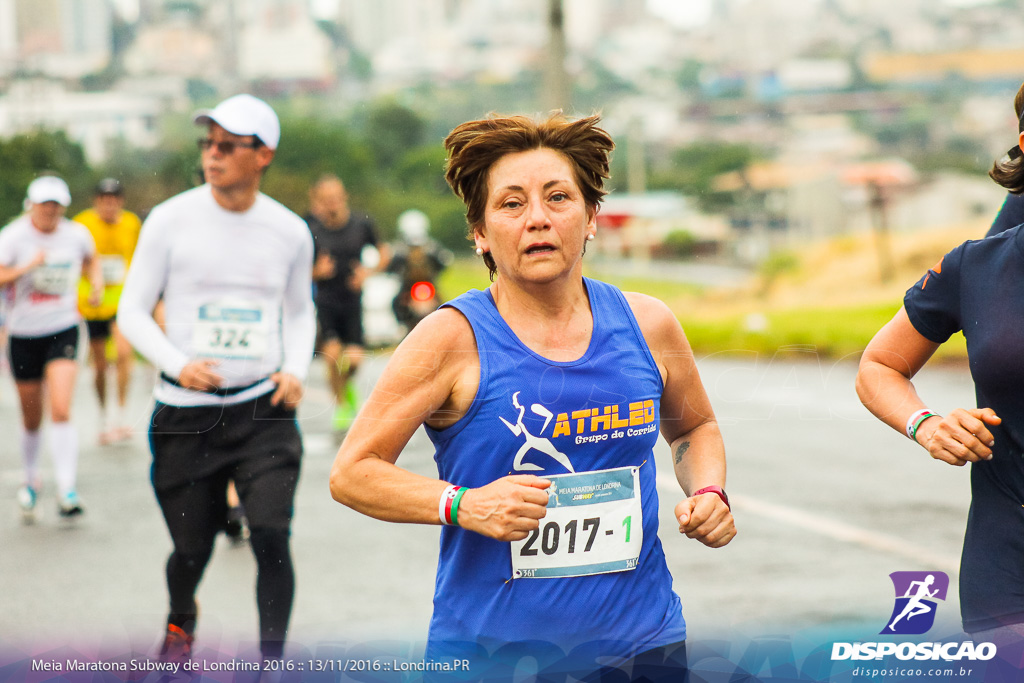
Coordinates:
(231, 80)
(636, 158)
(879, 204)
(556, 82)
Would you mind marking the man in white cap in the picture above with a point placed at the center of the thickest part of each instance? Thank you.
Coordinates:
(42, 255)
(233, 269)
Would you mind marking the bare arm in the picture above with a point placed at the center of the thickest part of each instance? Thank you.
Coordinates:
(9, 274)
(688, 424)
(323, 267)
(93, 270)
(385, 257)
(432, 378)
(360, 272)
(892, 358)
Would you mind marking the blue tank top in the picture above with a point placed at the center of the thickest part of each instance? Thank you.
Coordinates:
(599, 412)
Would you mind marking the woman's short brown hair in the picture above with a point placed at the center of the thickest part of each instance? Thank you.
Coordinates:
(1010, 173)
(473, 147)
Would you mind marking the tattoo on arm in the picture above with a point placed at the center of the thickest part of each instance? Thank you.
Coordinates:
(681, 451)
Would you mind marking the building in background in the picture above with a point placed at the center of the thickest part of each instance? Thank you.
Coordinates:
(806, 83)
(233, 45)
(8, 37)
(61, 38)
(97, 121)
(279, 44)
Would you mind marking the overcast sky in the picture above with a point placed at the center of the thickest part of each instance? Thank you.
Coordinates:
(680, 12)
(683, 12)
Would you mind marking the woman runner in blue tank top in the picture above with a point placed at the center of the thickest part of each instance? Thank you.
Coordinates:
(544, 396)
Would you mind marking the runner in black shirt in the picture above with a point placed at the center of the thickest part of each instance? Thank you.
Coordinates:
(1010, 215)
(339, 236)
(974, 289)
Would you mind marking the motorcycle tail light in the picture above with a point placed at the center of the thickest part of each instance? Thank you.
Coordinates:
(422, 291)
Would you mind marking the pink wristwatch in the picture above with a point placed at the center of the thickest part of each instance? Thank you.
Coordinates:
(718, 490)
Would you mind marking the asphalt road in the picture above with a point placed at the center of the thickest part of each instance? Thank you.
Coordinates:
(828, 503)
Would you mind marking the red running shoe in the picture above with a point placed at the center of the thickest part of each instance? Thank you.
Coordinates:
(177, 644)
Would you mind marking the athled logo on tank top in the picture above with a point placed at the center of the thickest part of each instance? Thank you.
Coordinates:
(585, 426)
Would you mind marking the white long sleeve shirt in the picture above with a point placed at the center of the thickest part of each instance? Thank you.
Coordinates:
(236, 289)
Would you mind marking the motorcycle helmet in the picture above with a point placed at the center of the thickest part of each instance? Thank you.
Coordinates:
(414, 227)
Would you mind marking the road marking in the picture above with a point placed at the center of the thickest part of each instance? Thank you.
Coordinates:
(839, 531)
(318, 395)
(319, 443)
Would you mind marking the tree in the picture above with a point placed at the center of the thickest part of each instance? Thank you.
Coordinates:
(392, 130)
(23, 157)
(694, 167)
(150, 176)
(310, 148)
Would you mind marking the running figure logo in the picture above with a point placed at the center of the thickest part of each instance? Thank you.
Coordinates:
(916, 595)
(534, 443)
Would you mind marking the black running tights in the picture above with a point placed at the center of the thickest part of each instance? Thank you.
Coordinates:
(194, 520)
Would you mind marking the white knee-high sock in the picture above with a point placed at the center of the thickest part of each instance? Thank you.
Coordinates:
(30, 455)
(64, 445)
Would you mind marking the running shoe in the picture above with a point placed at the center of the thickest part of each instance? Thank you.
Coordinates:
(115, 435)
(69, 505)
(27, 502)
(348, 407)
(344, 414)
(177, 644)
(352, 397)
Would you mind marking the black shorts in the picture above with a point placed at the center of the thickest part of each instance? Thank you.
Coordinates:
(196, 450)
(29, 355)
(344, 324)
(99, 329)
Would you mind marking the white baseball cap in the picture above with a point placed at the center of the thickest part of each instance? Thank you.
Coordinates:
(49, 188)
(244, 115)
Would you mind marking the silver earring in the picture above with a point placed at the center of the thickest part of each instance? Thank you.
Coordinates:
(590, 237)
(479, 251)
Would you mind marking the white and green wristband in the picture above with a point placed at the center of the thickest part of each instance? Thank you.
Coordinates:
(448, 505)
(915, 420)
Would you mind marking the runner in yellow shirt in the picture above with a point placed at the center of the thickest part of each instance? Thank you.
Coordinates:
(116, 232)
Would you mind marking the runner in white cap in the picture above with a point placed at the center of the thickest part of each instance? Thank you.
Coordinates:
(42, 255)
(233, 268)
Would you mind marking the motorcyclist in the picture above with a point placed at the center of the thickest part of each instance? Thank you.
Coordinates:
(417, 261)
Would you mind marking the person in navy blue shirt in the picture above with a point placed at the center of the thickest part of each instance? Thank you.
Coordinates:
(974, 289)
(1011, 214)
(543, 395)
(1009, 172)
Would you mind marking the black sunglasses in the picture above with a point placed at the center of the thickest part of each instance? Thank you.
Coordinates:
(225, 147)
